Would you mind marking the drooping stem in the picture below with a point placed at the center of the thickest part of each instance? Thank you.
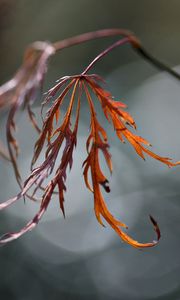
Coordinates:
(106, 51)
(133, 40)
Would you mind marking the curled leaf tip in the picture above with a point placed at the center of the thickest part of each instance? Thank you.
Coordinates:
(156, 227)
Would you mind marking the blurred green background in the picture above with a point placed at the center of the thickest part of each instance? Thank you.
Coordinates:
(75, 258)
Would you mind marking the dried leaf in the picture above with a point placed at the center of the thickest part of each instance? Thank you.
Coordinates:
(21, 91)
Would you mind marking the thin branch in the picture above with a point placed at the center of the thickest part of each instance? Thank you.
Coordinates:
(132, 38)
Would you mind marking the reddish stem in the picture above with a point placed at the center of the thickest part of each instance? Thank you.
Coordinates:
(106, 51)
(78, 39)
(135, 43)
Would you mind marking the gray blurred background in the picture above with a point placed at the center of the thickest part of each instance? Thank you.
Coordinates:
(76, 258)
